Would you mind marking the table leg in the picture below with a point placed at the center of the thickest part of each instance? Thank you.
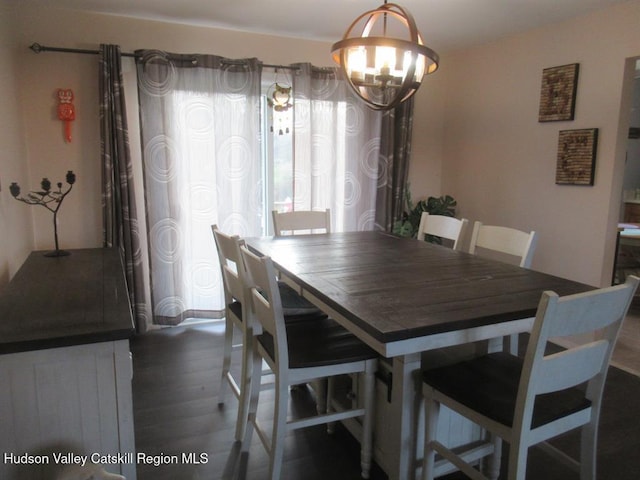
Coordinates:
(615, 259)
(405, 403)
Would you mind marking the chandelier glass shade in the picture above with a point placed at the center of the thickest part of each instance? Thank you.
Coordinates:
(383, 56)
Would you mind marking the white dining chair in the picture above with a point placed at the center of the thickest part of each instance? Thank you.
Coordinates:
(442, 226)
(504, 244)
(527, 401)
(516, 245)
(301, 221)
(297, 309)
(300, 353)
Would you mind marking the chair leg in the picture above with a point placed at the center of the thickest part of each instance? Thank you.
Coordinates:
(321, 387)
(327, 396)
(226, 359)
(431, 413)
(512, 344)
(245, 385)
(588, 449)
(254, 396)
(279, 428)
(366, 442)
(518, 454)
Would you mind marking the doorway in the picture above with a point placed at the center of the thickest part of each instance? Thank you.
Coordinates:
(631, 184)
(628, 245)
(627, 351)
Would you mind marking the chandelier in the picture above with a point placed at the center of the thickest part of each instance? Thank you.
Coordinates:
(383, 56)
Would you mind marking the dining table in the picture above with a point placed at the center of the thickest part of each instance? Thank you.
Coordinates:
(403, 297)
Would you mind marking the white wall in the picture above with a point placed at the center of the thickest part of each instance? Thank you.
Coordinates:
(39, 75)
(16, 230)
(476, 134)
(499, 162)
(427, 145)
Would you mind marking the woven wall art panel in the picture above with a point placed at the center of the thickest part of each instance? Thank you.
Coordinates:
(576, 156)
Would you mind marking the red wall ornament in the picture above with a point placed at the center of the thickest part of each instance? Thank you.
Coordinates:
(66, 110)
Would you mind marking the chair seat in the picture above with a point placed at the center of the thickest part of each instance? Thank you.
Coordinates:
(236, 308)
(293, 303)
(295, 307)
(319, 343)
(489, 385)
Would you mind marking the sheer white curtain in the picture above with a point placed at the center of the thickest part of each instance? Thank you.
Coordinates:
(337, 149)
(201, 133)
(200, 128)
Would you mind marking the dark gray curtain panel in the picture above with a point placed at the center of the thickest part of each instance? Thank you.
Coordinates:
(120, 220)
(395, 153)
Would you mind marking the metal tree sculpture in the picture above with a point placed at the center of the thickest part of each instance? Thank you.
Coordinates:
(49, 199)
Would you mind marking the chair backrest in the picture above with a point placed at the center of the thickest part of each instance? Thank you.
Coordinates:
(287, 223)
(509, 241)
(442, 226)
(266, 304)
(599, 313)
(233, 271)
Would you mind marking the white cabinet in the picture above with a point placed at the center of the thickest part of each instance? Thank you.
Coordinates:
(74, 399)
(65, 366)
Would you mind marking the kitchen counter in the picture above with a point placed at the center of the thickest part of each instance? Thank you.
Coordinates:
(62, 301)
(65, 364)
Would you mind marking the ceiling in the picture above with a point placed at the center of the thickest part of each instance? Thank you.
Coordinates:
(445, 24)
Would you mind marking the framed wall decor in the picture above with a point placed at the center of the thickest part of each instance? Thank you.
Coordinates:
(576, 156)
(558, 93)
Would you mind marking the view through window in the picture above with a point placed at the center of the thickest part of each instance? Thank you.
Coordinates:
(277, 150)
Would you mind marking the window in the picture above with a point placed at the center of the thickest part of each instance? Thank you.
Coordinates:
(277, 154)
(210, 158)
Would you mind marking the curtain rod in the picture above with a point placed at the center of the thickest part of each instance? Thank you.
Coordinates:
(36, 47)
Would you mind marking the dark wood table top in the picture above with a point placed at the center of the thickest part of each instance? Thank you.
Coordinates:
(396, 288)
(62, 301)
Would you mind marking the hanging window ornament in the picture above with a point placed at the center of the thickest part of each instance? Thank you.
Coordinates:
(279, 100)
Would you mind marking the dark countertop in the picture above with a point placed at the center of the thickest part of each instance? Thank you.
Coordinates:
(61, 301)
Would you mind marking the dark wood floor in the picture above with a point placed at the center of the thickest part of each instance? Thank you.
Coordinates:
(175, 386)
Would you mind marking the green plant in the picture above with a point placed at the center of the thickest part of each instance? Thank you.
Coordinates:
(408, 225)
